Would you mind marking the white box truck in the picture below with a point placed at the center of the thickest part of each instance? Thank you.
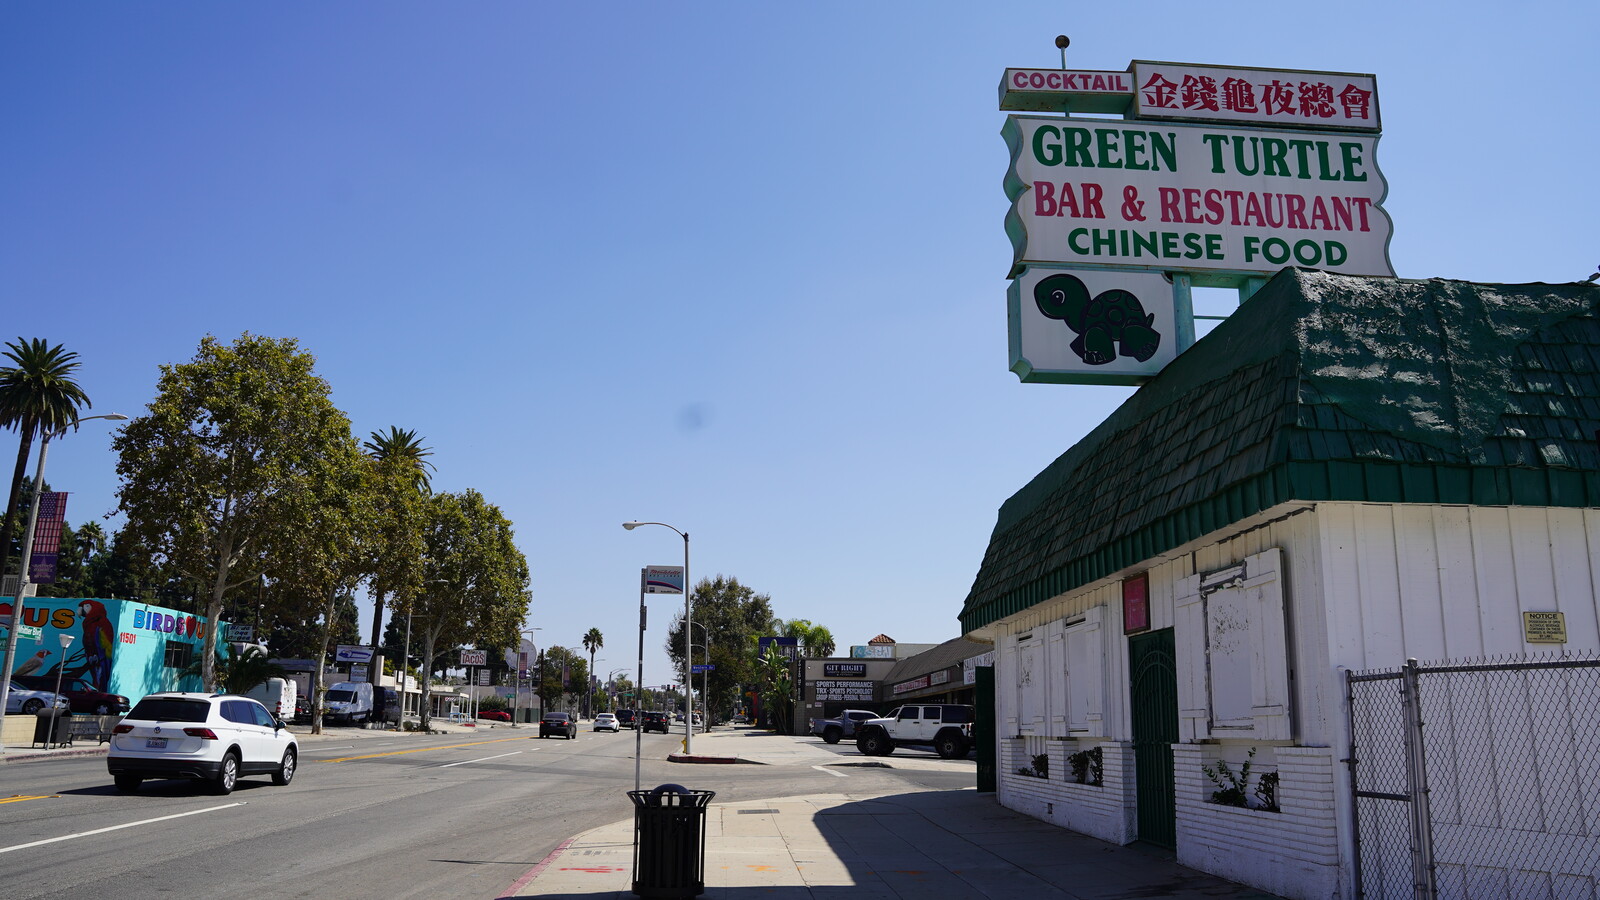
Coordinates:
(277, 695)
(349, 701)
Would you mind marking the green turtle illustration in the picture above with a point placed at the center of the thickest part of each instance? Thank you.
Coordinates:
(1103, 322)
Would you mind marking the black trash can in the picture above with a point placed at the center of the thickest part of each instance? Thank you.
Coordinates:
(53, 726)
(669, 841)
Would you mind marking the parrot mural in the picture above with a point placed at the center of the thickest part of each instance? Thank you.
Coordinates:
(99, 639)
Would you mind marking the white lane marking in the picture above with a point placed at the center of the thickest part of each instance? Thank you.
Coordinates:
(68, 837)
(320, 749)
(484, 759)
(830, 771)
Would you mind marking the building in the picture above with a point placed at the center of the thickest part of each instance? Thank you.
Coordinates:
(1346, 474)
(118, 646)
(937, 673)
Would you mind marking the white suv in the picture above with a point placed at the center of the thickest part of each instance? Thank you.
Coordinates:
(213, 738)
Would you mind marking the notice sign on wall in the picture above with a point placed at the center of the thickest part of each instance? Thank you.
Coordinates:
(853, 691)
(1181, 197)
(1544, 627)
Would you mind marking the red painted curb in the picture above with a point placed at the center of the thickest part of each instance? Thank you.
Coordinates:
(534, 872)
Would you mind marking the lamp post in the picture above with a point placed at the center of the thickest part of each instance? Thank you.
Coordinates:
(27, 555)
(66, 641)
(705, 686)
(688, 591)
(611, 689)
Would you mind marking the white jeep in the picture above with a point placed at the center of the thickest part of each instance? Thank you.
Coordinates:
(945, 727)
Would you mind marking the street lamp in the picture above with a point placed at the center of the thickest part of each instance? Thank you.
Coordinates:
(27, 556)
(66, 641)
(611, 688)
(688, 590)
(521, 667)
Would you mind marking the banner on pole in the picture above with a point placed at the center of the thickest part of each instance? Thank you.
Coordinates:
(47, 537)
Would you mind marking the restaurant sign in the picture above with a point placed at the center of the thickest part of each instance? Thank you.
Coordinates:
(1182, 197)
(1090, 326)
(1245, 95)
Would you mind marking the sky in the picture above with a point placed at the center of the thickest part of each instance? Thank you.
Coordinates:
(739, 268)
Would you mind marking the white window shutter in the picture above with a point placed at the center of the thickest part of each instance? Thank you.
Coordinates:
(1263, 587)
(1086, 684)
(1057, 661)
(1189, 652)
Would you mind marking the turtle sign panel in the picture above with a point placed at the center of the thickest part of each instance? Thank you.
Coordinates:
(1090, 325)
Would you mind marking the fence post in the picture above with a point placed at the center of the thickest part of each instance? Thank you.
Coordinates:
(1417, 781)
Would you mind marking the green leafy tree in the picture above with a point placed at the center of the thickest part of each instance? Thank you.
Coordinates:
(563, 673)
(239, 672)
(733, 615)
(474, 581)
(777, 690)
(593, 640)
(38, 396)
(816, 641)
(234, 467)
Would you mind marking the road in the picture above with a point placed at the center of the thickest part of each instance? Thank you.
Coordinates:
(437, 816)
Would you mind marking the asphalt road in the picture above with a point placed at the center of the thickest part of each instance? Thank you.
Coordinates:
(439, 816)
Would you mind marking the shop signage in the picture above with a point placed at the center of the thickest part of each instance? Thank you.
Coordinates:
(1180, 197)
(970, 666)
(349, 653)
(1060, 90)
(872, 651)
(854, 691)
(844, 670)
(1544, 627)
(1090, 326)
(912, 685)
(241, 633)
(1243, 95)
(663, 579)
(474, 657)
(1136, 603)
(940, 677)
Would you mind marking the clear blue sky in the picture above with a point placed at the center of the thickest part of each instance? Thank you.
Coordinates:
(736, 267)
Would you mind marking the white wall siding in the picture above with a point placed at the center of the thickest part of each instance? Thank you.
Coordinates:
(1452, 582)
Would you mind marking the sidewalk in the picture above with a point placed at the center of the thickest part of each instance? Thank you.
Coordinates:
(19, 749)
(921, 844)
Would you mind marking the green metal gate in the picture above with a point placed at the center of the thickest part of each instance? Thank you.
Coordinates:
(1154, 694)
(983, 729)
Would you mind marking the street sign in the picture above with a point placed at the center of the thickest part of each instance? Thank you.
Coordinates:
(243, 633)
(350, 653)
(36, 632)
(702, 668)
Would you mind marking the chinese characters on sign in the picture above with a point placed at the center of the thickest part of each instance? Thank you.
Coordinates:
(1241, 95)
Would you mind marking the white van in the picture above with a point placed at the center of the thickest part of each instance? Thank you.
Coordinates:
(350, 701)
(277, 695)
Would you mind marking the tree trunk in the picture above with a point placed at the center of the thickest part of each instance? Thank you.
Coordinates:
(208, 664)
(425, 712)
(24, 450)
(322, 655)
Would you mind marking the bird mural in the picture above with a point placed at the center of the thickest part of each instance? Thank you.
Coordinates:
(99, 640)
(32, 664)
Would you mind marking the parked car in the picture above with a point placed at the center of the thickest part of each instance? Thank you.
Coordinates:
(627, 718)
(80, 694)
(558, 723)
(302, 710)
(28, 701)
(653, 721)
(605, 722)
(946, 728)
(496, 715)
(350, 701)
(214, 738)
(842, 725)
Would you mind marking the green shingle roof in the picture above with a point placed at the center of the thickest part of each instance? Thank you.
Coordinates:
(1320, 387)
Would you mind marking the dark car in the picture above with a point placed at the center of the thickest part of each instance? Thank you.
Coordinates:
(80, 694)
(653, 721)
(302, 709)
(627, 718)
(558, 723)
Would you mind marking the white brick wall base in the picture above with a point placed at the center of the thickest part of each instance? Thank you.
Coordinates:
(1293, 853)
(1105, 812)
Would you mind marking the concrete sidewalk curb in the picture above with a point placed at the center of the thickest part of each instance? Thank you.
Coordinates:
(706, 760)
(17, 754)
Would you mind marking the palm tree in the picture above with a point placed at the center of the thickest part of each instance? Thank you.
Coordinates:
(592, 640)
(404, 446)
(37, 397)
(816, 641)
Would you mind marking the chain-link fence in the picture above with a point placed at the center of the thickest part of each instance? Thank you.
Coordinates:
(1477, 781)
